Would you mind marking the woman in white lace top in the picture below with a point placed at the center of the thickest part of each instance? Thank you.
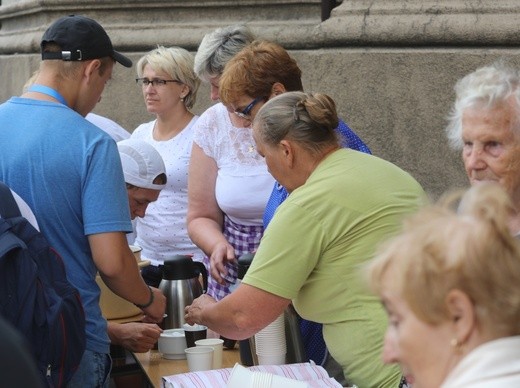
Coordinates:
(229, 184)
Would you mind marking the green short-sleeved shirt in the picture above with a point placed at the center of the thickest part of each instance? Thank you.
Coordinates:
(318, 240)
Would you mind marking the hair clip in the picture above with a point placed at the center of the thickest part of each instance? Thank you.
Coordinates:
(296, 115)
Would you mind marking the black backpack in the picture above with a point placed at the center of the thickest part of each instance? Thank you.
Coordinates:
(36, 297)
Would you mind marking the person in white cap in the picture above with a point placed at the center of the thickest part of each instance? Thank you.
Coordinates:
(116, 131)
(145, 174)
(145, 177)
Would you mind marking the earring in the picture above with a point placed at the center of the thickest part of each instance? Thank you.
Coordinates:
(182, 98)
(456, 345)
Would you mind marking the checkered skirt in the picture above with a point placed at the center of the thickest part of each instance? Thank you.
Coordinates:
(245, 239)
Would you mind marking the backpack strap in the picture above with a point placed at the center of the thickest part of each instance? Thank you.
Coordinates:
(8, 241)
(8, 206)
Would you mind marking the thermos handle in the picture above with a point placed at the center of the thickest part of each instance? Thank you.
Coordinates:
(204, 273)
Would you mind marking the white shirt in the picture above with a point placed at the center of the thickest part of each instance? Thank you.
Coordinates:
(493, 364)
(163, 233)
(25, 210)
(243, 183)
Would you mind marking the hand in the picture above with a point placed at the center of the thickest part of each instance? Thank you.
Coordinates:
(155, 312)
(137, 337)
(193, 312)
(222, 253)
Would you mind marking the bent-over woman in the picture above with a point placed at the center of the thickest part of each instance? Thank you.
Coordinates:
(342, 204)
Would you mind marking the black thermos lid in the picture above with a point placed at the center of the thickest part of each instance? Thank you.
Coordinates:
(179, 267)
(244, 262)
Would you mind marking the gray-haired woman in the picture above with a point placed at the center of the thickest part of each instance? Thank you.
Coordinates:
(229, 184)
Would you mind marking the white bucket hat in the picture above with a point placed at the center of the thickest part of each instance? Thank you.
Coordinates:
(141, 163)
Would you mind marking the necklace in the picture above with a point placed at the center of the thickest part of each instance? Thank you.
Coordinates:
(49, 92)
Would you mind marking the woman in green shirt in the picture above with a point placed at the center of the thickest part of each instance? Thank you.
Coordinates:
(342, 204)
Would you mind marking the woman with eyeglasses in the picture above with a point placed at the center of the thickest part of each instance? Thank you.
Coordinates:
(259, 72)
(342, 204)
(228, 181)
(169, 86)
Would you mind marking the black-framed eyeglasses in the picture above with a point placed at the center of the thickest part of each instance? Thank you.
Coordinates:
(246, 112)
(155, 81)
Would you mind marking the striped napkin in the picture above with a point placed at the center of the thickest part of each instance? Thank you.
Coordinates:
(314, 375)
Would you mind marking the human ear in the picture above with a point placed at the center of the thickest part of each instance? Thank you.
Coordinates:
(462, 314)
(91, 67)
(287, 150)
(185, 91)
(277, 89)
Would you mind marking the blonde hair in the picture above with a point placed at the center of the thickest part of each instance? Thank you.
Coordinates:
(177, 63)
(68, 69)
(30, 81)
(469, 248)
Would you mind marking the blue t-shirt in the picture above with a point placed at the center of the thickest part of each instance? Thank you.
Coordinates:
(69, 173)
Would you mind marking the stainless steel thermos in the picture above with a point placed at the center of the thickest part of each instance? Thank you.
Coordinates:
(180, 284)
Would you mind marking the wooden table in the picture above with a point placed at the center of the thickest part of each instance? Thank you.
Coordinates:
(155, 366)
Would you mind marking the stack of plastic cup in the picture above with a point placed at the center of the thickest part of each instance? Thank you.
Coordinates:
(270, 343)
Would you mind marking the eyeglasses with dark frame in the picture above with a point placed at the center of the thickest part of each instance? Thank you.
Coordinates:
(155, 82)
(246, 112)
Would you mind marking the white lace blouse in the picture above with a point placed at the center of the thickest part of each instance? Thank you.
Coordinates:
(243, 183)
(163, 232)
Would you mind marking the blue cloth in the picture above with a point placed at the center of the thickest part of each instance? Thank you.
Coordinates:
(311, 332)
(94, 371)
(69, 173)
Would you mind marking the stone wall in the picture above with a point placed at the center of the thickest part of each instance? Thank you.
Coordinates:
(390, 65)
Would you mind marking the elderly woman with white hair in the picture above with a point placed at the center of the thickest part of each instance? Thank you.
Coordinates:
(169, 86)
(449, 284)
(484, 125)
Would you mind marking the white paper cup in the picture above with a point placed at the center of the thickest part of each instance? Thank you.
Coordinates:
(218, 345)
(240, 377)
(273, 359)
(199, 358)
